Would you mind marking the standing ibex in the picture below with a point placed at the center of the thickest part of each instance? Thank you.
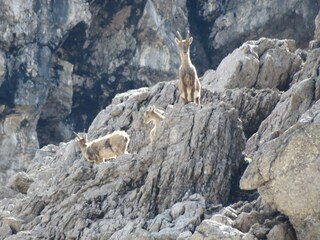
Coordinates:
(189, 84)
(155, 115)
(104, 148)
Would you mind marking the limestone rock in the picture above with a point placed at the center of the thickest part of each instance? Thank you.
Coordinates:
(209, 229)
(253, 105)
(197, 150)
(5, 231)
(230, 23)
(30, 34)
(266, 63)
(246, 220)
(183, 216)
(289, 162)
(317, 27)
(20, 182)
(281, 231)
(293, 103)
(310, 68)
(61, 62)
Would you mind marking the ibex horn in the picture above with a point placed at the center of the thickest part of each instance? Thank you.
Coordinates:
(188, 35)
(77, 135)
(179, 36)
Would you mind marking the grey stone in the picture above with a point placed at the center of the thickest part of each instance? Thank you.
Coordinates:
(253, 105)
(231, 23)
(20, 182)
(30, 33)
(245, 220)
(68, 196)
(209, 229)
(5, 231)
(289, 162)
(317, 27)
(281, 231)
(266, 63)
(293, 103)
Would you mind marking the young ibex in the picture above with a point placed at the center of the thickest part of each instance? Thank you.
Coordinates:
(189, 84)
(104, 148)
(155, 115)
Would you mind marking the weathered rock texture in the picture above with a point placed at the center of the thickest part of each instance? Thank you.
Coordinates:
(35, 84)
(61, 62)
(266, 63)
(285, 152)
(197, 151)
(285, 172)
(227, 24)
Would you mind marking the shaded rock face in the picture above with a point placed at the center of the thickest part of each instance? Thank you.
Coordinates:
(227, 24)
(285, 154)
(61, 62)
(30, 36)
(253, 105)
(289, 162)
(197, 151)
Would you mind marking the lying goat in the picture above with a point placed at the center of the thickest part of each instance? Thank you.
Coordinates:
(155, 115)
(104, 148)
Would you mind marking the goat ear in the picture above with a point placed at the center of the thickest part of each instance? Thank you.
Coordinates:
(177, 40)
(190, 40)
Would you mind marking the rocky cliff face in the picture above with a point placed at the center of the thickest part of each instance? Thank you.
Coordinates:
(61, 64)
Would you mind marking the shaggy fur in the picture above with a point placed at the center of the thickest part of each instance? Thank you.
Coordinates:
(104, 148)
(155, 115)
(189, 84)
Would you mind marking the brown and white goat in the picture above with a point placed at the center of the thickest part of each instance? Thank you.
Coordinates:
(189, 84)
(155, 115)
(104, 148)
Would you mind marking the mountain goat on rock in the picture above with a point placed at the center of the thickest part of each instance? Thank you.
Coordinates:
(189, 84)
(155, 115)
(104, 148)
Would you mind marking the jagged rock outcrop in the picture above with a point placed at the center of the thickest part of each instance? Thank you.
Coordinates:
(254, 105)
(285, 172)
(61, 62)
(30, 33)
(197, 151)
(230, 23)
(266, 63)
(285, 155)
(293, 103)
(193, 219)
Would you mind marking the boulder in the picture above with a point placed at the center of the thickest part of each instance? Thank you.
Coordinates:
(290, 162)
(293, 103)
(281, 231)
(266, 63)
(20, 182)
